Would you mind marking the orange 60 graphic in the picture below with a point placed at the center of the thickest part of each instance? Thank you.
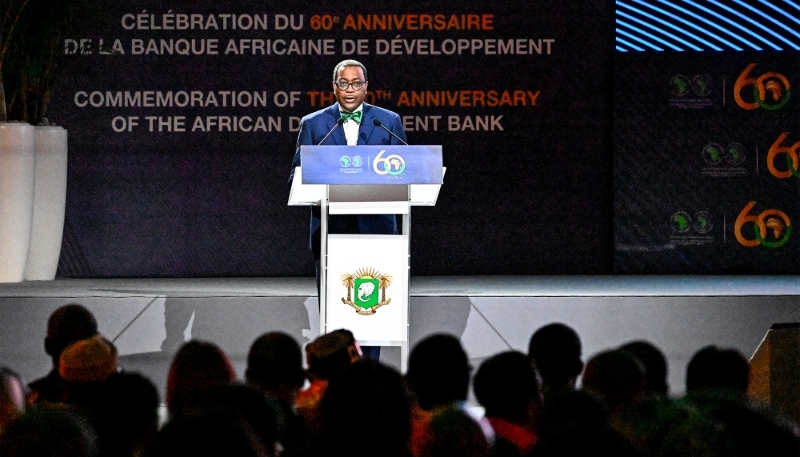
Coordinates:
(774, 84)
(792, 162)
(772, 228)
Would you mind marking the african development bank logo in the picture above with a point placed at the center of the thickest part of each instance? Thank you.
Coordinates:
(690, 92)
(733, 154)
(724, 161)
(770, 91)
(349, 164)
(682, 222)
(366, 290)
(691, 230)
(681, 85)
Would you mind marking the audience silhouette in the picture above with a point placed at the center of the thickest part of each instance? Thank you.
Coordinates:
(12, 397)
(556, 350)
(365, 412)
(438, 377)
(198, 367)
(508, 386)
(327, 358)
(712, 368)
(66, 325)
(49, 430)
(343, 405)
(616, 377)
(451, 431)
(654, 364)
(275, 368)
(439, 371)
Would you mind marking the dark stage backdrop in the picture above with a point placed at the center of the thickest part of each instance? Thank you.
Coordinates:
(183, 126)
(580, 137)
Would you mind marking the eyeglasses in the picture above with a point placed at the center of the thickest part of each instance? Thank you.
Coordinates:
(343, 85)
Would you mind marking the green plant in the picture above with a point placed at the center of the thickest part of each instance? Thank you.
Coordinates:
(32, 34)
(11, 23)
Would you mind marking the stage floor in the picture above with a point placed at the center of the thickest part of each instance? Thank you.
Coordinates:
(148, 319)
(450, 286)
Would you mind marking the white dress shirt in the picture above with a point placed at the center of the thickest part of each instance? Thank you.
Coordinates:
(351, 129)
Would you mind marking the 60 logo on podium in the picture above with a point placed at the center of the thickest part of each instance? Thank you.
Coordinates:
(771, 228)
(392, 164)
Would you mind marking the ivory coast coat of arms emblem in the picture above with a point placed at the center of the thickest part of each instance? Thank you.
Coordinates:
(366, 290)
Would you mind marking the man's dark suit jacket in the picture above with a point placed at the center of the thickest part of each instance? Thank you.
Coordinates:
(313, 128)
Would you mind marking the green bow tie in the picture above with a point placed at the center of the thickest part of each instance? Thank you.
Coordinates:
(354, 116)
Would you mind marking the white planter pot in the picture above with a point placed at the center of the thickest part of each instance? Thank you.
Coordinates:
(16, 198)
(49, 203)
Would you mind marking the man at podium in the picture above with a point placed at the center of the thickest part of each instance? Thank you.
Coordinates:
(350, 121)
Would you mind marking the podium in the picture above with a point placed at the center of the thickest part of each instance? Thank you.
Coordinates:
(775, 369)
(364, 278)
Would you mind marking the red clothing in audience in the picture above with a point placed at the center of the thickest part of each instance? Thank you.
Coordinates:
(419, 429)
(308, 401)
(523, 438)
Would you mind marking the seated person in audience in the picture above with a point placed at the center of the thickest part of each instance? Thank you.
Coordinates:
(89, 360)
(49, 430)
(452, 432)
(615, 377)
(197, 368)
(716, 384)
(365, 413)
(88, 368)
(239, 403)
(12, 397)
(275, 368)
(83, 367)
(327, 357)
(576, 423)
(655, 366)
(509, 388)
(439, 372)
(65, 326)
(128, 411)
(712, 369)
(655, 414)
(556, 349)
(438, 376)
(207, 435)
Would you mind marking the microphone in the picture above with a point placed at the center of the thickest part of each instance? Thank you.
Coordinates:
(339, 122)
(378, 124)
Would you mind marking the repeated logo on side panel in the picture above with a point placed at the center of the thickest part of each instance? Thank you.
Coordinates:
(757, 224)
(753, 90)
